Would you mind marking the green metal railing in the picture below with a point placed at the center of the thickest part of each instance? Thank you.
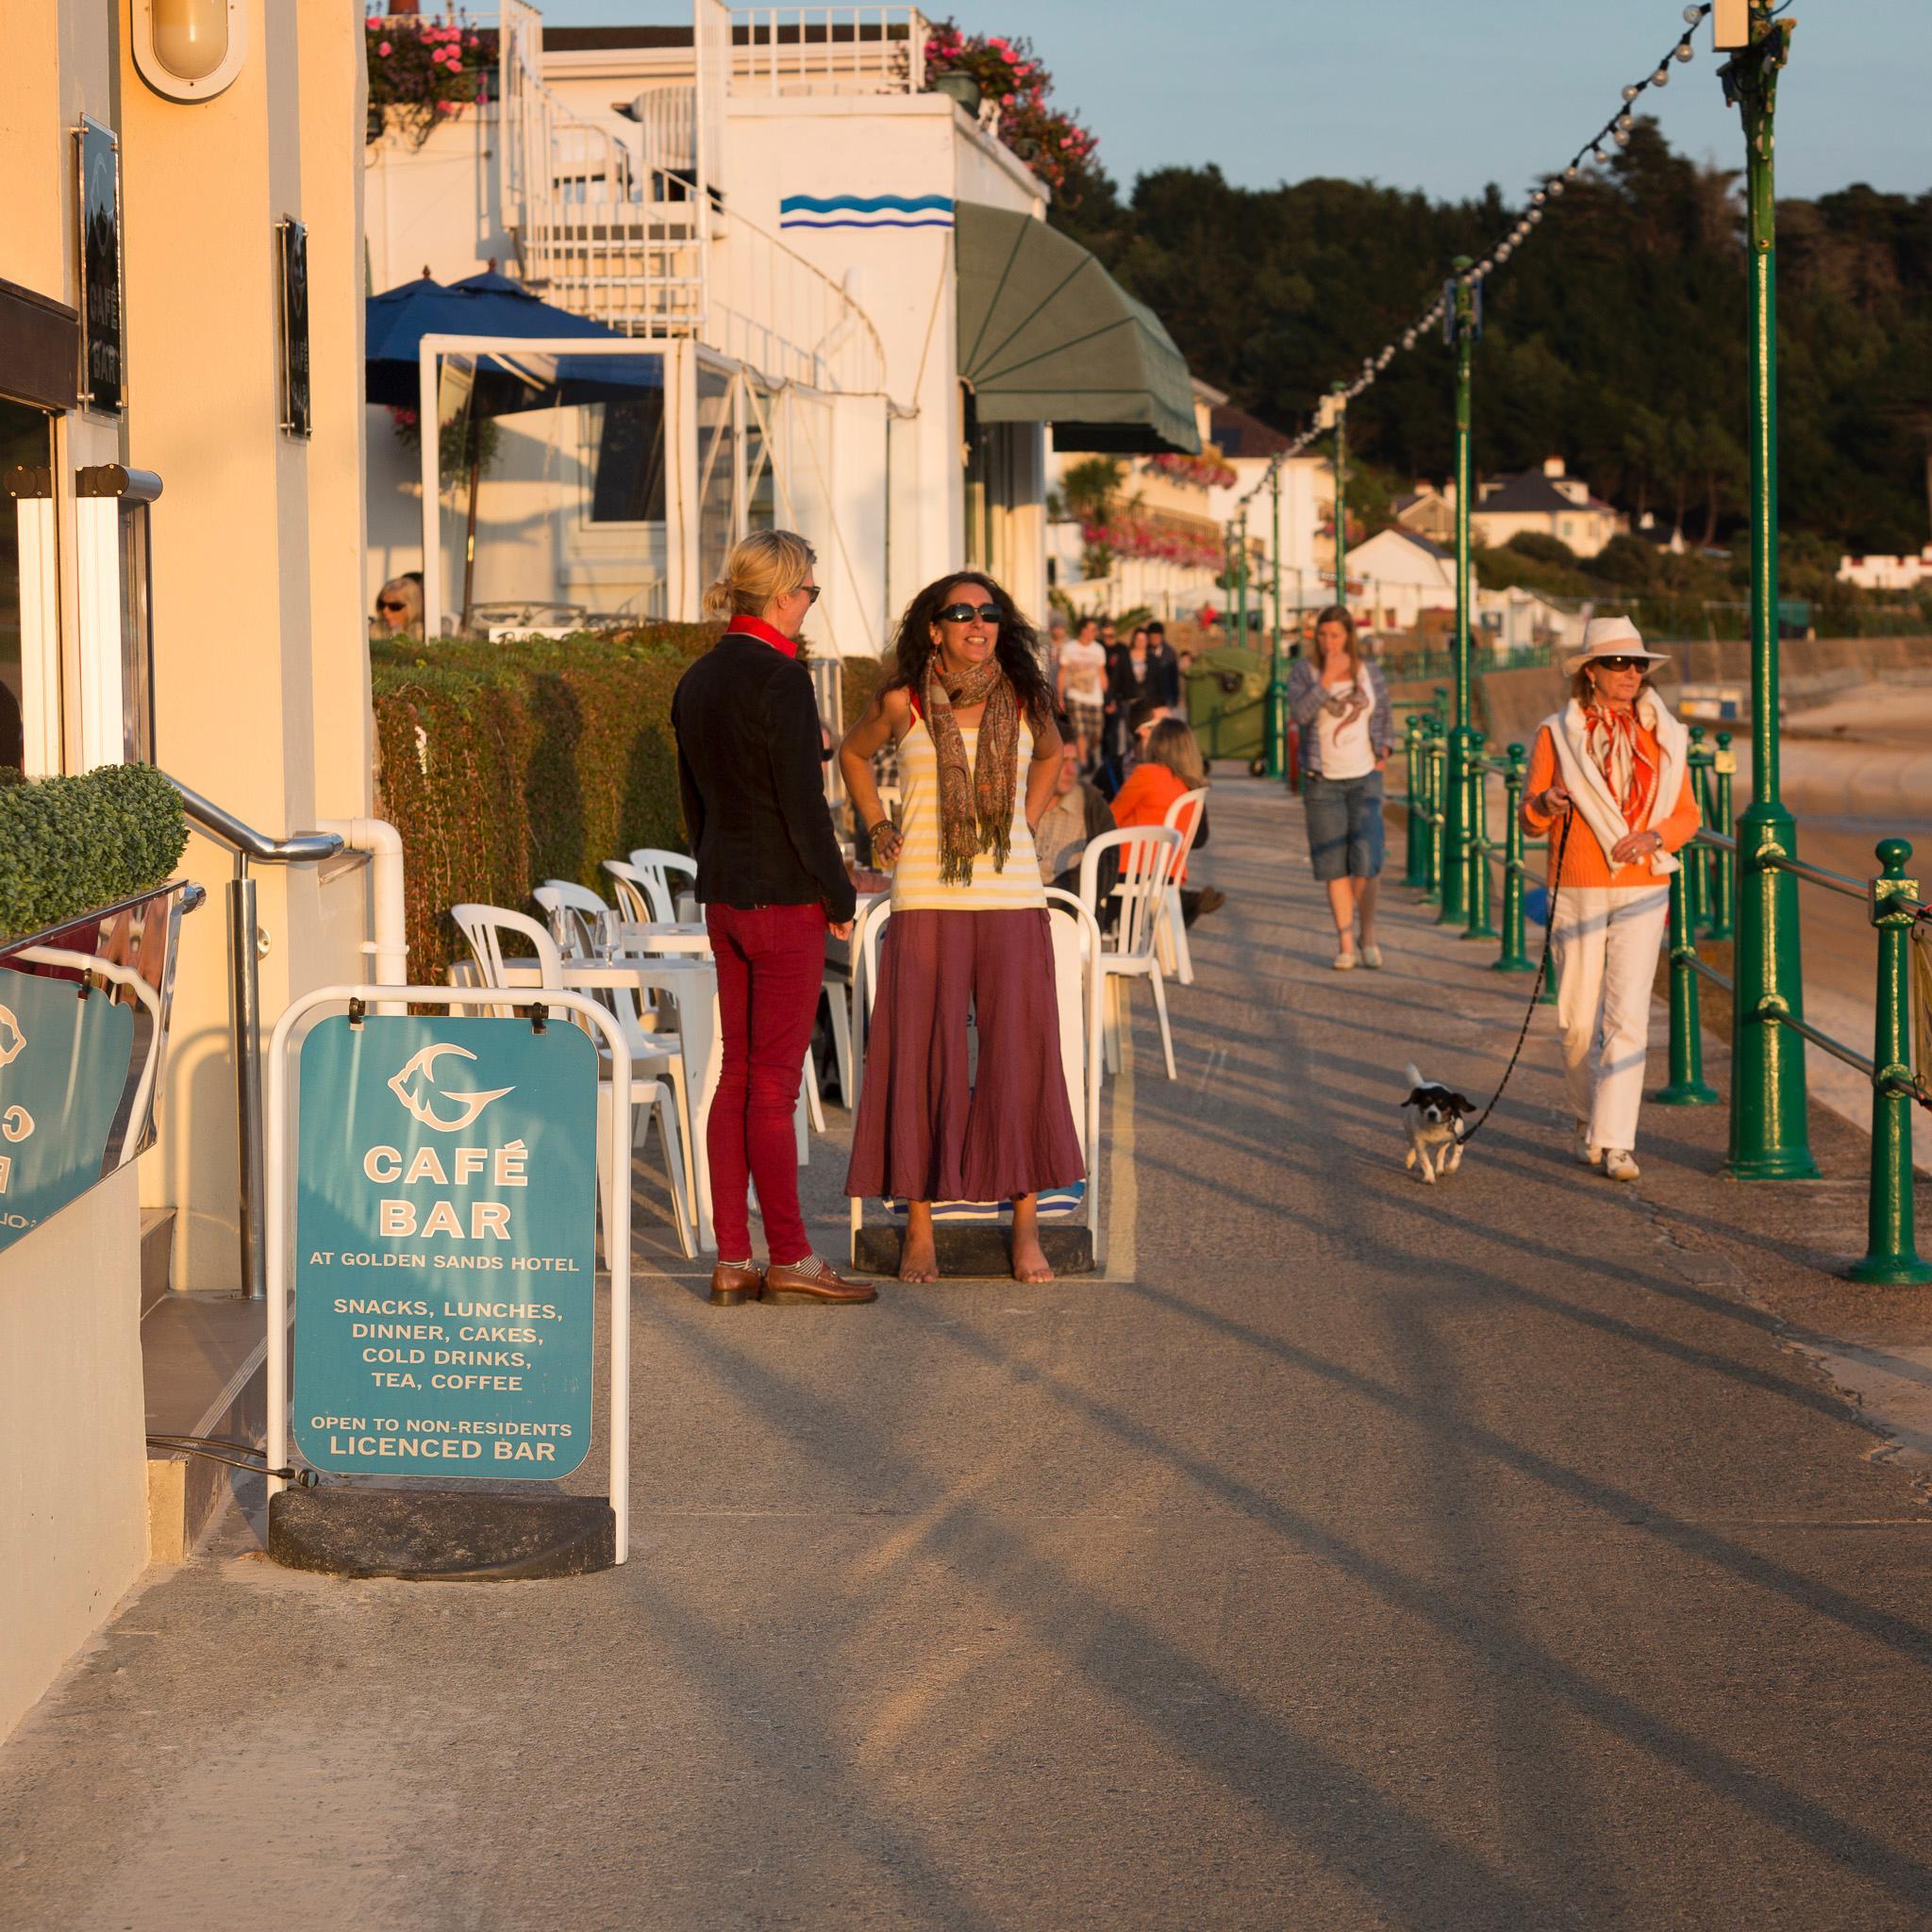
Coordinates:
(1892, 1256)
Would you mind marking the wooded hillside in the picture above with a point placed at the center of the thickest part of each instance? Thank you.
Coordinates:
(1615, 338)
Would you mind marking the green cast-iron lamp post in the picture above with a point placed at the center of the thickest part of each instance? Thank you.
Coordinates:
(1770, 1137)
(1458, 854)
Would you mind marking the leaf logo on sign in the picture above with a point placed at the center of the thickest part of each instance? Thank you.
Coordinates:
(416, 1087)
(13, 1041)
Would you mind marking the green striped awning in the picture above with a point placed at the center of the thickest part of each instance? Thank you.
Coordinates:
(1046, 335)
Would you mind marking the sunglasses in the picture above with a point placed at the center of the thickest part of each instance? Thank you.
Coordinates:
(811, 592)
(386, 605)
(1622, 663)
(965, 613)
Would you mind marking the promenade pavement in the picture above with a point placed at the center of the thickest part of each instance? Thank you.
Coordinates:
(1350, 1553)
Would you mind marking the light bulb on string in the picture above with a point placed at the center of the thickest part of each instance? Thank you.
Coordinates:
(1598, 155)
(1631, 92)
(1536, 215)
(1661, 77)
(1627, 121)
(1692, 15)
(1684, 49)
(1555, 184)
(1622, 137)
(1570, 173)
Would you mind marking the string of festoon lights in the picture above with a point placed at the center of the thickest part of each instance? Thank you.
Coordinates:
(1614, 133)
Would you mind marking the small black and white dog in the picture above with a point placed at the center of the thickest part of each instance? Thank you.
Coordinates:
(1434, 1118)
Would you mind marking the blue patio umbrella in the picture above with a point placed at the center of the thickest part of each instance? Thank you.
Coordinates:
(505, 383)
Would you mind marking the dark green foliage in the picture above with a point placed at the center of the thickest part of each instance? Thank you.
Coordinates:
(1540, 547)
(1625, 560)
(506, 764)
(68, 845)
(1615, 337)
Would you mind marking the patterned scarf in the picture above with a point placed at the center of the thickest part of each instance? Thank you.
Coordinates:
(1612, 739)
(976, 798)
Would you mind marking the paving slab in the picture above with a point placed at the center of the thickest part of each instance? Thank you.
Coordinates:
(1344, 1553)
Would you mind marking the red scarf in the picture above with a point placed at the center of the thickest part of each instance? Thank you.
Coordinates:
(1624, 754)
(765, 633)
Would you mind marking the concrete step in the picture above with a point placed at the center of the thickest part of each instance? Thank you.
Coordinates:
(157, 1255)
(201, 1366)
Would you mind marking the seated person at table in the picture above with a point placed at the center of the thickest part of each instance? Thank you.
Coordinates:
(1170, 767)
(1076, 814)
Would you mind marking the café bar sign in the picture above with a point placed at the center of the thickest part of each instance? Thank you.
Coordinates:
(445, 1262)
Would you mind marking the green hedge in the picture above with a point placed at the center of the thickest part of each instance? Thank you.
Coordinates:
(68, 845)
(505, 764)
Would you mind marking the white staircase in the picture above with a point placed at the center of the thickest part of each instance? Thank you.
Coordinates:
(633, 231)
(605, 228)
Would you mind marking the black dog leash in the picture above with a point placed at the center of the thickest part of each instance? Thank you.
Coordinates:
(1535, 992)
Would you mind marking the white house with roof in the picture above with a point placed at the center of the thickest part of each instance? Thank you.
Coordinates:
(1395, 576)
(1887, 572)
(1549, 502)
(860, 323)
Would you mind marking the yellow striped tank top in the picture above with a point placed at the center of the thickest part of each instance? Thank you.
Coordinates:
(916, 885)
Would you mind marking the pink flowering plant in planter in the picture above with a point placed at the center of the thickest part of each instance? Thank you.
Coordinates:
(1050, 141)
(1207, 471)
(422, 71)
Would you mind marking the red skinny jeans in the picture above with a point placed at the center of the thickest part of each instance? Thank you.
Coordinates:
(771, 966)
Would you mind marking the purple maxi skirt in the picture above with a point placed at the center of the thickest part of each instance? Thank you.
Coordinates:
(924, 1130)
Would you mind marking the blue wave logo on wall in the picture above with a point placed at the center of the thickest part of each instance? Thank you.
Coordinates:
(866, 211)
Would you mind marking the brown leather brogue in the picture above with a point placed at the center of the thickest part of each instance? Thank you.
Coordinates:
(732, 1284)
(821, 1285)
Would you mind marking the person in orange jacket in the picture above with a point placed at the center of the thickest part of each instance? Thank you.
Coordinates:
(1170, 767)
(1609, 783)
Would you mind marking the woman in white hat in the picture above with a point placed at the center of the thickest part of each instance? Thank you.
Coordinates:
(1614, 766)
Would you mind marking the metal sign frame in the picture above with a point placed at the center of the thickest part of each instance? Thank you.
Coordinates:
(556, 1000)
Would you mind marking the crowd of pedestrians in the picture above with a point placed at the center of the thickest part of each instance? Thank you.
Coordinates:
(1012, 755)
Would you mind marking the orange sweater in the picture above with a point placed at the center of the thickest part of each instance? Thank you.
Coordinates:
(1147, 797)
(1585, 863)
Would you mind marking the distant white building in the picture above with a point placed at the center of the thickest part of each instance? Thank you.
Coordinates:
(1548, 502)
(1395, 576)
(857, 321)
(1887, 572)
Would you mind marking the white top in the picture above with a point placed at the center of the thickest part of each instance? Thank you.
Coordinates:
(916, 885)
(1084, 665)
(1345, 747)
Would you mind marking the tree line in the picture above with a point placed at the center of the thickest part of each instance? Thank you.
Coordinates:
(1614, 338)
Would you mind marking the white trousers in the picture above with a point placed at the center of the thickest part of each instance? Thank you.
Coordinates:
(1606, 944)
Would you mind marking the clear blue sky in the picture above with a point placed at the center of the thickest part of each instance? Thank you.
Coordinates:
(1444, 97)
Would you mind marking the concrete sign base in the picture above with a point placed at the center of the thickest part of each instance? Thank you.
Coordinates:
(438, 1536)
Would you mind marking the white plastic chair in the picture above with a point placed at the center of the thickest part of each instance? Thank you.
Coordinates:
(590, 932)
(1148, 855)
(672, 871)
(1079, 985)
(1175, 955)
(642, 896)
(484, 928)
(580, 923)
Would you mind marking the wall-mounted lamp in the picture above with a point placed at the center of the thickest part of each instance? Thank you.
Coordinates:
(188, 50)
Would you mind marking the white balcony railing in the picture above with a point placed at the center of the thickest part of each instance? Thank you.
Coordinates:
(828, 50)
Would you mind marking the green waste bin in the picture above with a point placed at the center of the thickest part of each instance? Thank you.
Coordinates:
(1227, 703)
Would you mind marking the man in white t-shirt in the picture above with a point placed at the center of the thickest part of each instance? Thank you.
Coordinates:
(1083, 689)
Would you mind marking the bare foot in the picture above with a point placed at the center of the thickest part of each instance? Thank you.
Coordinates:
(1029, 1259)
(918, 1259)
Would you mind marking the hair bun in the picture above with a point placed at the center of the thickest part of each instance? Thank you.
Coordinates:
(716, 601)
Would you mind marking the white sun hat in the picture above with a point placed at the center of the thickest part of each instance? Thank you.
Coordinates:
(1611, 637)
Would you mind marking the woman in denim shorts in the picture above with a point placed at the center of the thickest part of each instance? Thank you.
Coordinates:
(1340, 705)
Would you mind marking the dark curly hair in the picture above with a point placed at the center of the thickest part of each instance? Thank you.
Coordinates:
(1017, 648)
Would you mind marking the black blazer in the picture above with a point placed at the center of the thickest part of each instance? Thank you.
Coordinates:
(1163, 683)
(749, 766)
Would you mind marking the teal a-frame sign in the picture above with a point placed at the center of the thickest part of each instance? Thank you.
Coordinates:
(444, 1248)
